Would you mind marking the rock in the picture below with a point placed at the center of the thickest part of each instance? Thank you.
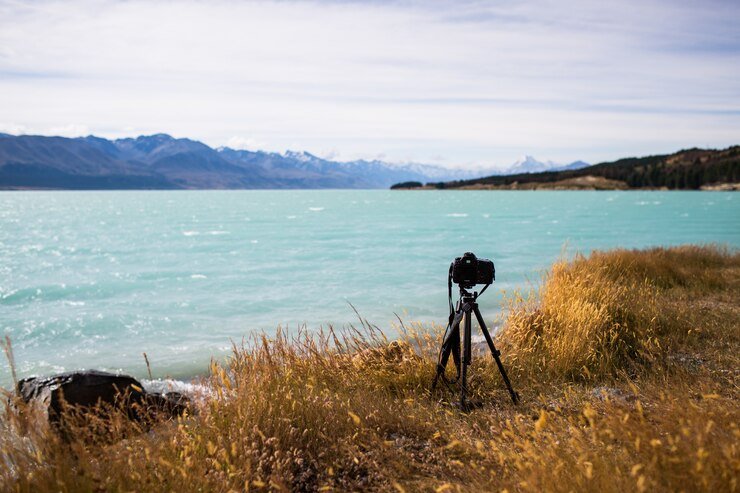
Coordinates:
(170, 403)
(89, 390)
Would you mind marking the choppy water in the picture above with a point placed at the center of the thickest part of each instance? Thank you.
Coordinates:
(93, 279)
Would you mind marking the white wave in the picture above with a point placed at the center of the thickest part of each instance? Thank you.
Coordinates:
(169, 385)
(457, 214)
(315, 209)
(198, 276)
(191, 233)
(219, 232)
(8, 294)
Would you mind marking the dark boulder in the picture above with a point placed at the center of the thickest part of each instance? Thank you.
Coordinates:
(168, 403)
(93, 390)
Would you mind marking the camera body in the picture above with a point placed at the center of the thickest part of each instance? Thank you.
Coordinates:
(469, 270)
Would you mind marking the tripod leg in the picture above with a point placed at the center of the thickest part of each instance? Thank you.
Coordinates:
(455, 341)
(496, 353)
(466, 357)
(456, 351)
(451, 344)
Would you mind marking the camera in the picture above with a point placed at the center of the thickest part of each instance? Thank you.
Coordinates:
(469, 270)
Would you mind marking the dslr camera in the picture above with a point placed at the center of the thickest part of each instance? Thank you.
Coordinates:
(469, 270)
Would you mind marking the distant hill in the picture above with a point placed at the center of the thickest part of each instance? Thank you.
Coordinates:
(689, 169)
(163, 162)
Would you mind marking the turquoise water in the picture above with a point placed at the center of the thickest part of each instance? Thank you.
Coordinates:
(93, 279)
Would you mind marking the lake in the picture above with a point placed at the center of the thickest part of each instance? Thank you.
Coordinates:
(93, 279)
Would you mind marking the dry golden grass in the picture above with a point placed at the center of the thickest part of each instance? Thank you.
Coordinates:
(627, 363)
(614, 311)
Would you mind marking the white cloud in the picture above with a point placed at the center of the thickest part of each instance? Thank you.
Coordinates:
(330, 154)
(13, 128)
(245, 143)
(69, 130)
(477, 83)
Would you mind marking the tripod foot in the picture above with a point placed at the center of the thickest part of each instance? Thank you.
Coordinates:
(468, 405)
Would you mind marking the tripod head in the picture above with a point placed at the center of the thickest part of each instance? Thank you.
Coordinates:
(467, 296)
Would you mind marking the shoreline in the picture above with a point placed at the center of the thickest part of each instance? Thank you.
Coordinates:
(586, 186)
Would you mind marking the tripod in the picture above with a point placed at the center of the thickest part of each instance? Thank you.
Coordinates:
(466, 306)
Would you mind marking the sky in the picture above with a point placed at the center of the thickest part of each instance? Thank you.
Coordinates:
(458, 83)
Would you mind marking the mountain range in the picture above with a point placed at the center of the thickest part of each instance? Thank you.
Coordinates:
(163, 162)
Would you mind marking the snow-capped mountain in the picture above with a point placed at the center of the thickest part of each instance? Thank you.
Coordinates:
(528, 164)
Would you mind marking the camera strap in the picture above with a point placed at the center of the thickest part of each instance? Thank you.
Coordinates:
(449, 297)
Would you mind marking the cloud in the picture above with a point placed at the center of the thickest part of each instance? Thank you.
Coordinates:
(69, 130)
(245, 143)
(475, 82)
(330, 154)
(13, 128)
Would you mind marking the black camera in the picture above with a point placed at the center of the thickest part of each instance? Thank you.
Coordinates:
(469, 270)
